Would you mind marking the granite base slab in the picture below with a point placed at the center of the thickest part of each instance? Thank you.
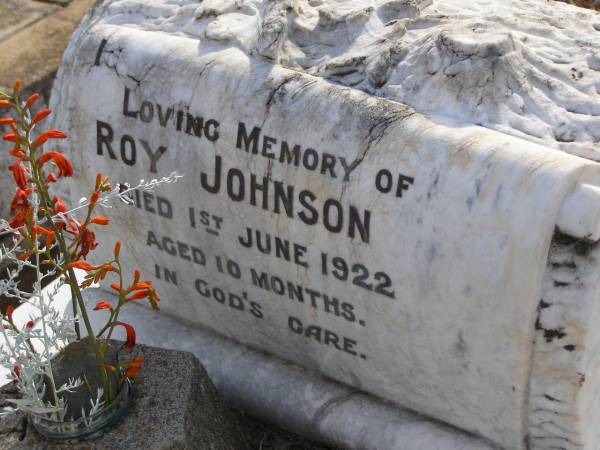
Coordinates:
(176, 406)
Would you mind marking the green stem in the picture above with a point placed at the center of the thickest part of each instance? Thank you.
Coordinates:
(121, 300)
(45, 197)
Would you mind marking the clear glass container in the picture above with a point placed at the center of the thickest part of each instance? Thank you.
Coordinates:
(90, 427)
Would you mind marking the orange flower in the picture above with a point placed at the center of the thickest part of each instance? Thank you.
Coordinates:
(117, 249)
(16, 87)
(21, 207)
(140, 285)
(7, 121)
(83, 265)
(99, 220)
(86, 243)
(133, 367)
(31, 100)
(19, 174)
(17, 152)
(23, 256)
(49, 134)
(107, 268)
(130, 341)
(11, 137)
(41, 115)
(4, 103)
(38, 229)
(59, 206)
(51, 178)
(138, 295)
(116, 287)
(94, 198)
(64, 165)
(9, 312)
(103, 304)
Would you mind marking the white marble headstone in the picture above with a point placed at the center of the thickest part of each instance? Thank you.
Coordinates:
(387, 246)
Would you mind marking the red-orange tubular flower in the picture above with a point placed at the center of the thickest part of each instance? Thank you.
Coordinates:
(103, 304)
(86, 243)
(19, 174)
(38, 229)
(59, 205)
(31, 100)
(49, 134)
(7, 121)
(9, 312)
(130, 341)
(17, 152)
(41, 115)
(99, 220)
(83, 265)
(134, 366)
(11, 137)
(21, 207)
(64, 165)
(138, 295)
(94, 198)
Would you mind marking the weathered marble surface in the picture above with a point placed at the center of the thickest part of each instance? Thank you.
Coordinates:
(460, 218)
(529, 68)
(291, 397)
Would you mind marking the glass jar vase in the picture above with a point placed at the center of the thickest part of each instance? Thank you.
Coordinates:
(88, 427)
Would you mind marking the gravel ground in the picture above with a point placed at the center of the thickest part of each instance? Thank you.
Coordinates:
(264, 436)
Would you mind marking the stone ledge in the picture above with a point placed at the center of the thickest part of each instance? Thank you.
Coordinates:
(176, 406)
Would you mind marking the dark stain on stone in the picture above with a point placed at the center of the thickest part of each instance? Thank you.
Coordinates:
(544, 305)
(566, 264)
(276, 90)
(570, 348)
(554, 333)
(580, 246)
(560, 283)
(549, 333)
